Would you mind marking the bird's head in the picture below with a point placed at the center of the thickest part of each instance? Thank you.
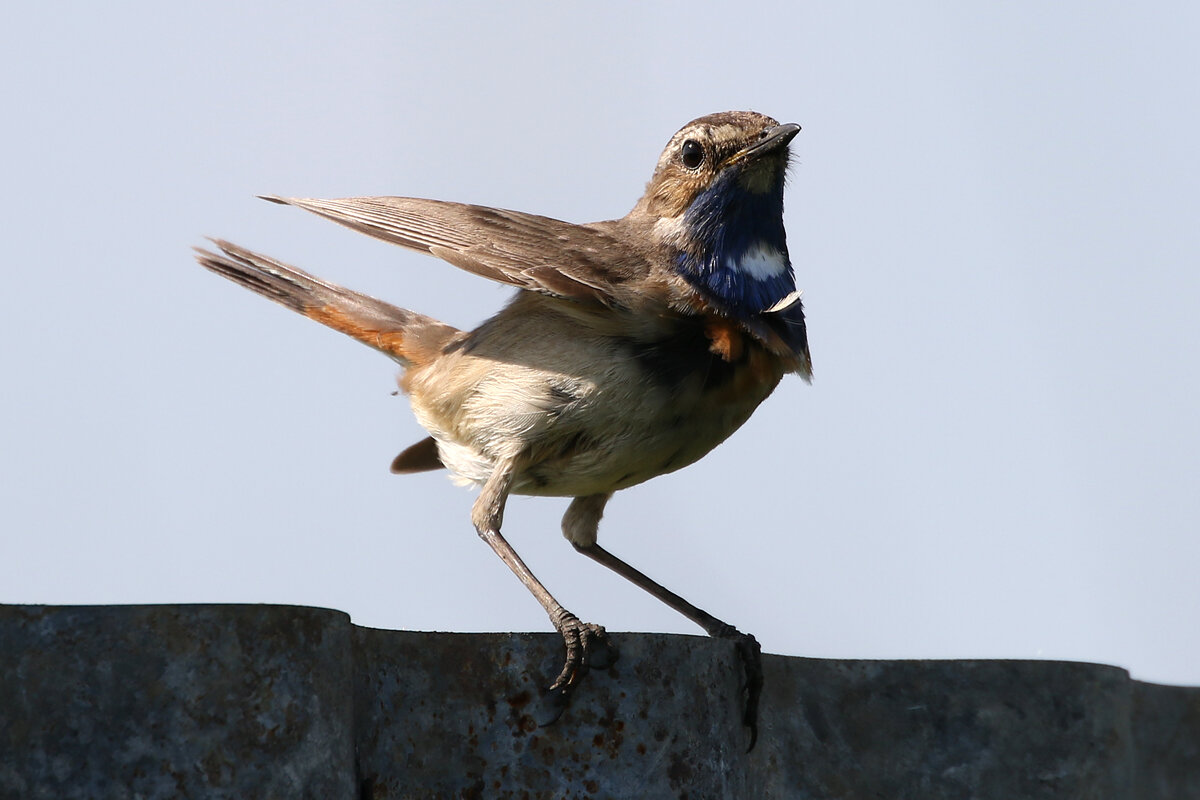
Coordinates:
(716, 202)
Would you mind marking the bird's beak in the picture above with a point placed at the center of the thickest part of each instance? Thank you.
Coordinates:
(771, 139)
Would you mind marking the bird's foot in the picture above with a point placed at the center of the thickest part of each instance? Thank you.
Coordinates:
(587, 646)
(750, 652)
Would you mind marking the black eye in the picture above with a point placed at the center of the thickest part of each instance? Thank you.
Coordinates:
(692, 154)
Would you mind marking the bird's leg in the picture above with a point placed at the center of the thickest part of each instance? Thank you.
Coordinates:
(747, 646)
(587, 644)
(580, 525)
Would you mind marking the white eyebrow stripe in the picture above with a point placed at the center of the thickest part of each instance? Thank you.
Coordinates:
(760, 261)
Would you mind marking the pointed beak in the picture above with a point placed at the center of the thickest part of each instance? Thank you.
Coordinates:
(771, 139)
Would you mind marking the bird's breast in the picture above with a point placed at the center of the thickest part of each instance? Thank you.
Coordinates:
(589, 405)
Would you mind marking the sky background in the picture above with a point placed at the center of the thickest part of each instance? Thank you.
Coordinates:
(994, 212)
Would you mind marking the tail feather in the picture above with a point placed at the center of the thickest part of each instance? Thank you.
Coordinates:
(407, 336)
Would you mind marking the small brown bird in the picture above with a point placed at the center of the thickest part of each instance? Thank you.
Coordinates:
(633, 348)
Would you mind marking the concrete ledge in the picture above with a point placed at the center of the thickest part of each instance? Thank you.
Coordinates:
(290, 702)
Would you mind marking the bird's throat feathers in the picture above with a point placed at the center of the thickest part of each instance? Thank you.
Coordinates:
(733, 247)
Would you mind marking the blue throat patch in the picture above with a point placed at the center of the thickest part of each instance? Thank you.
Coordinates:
(737, 254)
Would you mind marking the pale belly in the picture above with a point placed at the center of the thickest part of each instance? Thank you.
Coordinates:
(598, 453)
(578, 416)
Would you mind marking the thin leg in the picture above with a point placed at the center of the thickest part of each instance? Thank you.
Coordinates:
(580, 525)
(587, 644)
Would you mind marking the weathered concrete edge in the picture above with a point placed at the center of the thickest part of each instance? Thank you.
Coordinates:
(261, 700)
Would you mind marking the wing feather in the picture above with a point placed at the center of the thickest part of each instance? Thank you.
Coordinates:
(589, 263)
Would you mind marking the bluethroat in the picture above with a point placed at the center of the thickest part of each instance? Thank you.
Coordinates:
(632, 347)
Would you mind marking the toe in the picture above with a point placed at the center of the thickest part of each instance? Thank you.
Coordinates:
(587, 646)
(751, 655)
(599, 650)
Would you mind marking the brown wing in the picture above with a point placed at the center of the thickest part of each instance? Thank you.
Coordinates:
(580, 262)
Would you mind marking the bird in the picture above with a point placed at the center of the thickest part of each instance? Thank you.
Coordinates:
(632, 347)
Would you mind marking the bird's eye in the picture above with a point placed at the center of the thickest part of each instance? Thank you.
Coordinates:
(692, 154)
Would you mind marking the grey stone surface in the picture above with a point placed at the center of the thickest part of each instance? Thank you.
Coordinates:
(287, 702)
(175, 702)
(662, 722)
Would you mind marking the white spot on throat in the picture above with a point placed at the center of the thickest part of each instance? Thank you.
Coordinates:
(760, 261)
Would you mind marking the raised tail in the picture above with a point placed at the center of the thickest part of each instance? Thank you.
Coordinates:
(408, 337)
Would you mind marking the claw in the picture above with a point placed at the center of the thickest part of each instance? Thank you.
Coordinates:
(750, 652)
(587, 646)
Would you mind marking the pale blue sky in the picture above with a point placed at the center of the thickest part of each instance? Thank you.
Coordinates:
(994, 213)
